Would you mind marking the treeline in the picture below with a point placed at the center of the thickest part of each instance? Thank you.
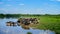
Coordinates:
(19, 15)
(9, 15)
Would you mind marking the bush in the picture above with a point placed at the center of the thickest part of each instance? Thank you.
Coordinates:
(29, 33)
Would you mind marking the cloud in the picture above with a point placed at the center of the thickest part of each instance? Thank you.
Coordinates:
(3, 10)
(55, 0)
(1, 2)
(21, 4)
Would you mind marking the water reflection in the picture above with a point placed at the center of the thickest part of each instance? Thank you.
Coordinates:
(18, 29)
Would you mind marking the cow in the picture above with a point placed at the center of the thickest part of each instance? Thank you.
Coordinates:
(10, 23)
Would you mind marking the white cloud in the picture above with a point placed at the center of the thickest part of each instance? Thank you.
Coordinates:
(55, 0)
(21, 4)
(3, 10)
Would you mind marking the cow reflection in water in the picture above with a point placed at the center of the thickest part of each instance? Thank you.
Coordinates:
(25, 26)
(24, 22)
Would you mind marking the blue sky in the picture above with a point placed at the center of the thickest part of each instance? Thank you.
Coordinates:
(30, 6)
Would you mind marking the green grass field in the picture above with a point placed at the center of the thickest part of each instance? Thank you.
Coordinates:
(48, 22)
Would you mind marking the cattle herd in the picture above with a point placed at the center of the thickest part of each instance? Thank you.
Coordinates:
(25, 21)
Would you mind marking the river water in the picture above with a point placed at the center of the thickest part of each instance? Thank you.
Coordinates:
(18, 29)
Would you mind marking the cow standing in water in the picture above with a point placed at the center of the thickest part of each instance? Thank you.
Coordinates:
(10, 23)
(33, 20)
(28, 21)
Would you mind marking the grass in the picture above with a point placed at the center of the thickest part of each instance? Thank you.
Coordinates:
(48, 22)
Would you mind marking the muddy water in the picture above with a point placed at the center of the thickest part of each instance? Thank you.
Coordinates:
(18, 29)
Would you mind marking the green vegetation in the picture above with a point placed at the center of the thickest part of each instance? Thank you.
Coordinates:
(51, 22)
(29, 33)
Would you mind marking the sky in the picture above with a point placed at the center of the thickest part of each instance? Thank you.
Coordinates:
(30, 6)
